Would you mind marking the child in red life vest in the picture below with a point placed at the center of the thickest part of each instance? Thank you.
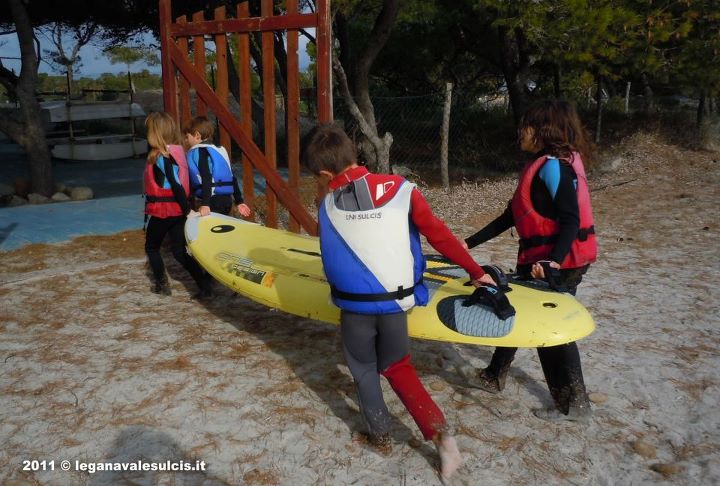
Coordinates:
(552, 215)
(369, 239)
(166, 203)
(212, 181)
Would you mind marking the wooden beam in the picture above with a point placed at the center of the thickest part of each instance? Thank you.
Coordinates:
(243, 11)
(199, 59)
(184, 87)
(221, 78)
(251, 24)
(168, 70)
(323, 40)
(275, 182)
(268, 81)
(293, 111)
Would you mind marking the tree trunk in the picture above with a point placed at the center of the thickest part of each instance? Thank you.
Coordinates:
(444, 137)
(648, 102)
(610, 90)
(514, 62)
(377, 151)
(598, 108)
(70, 81)
(342, 35)
(700, 115)
(35, 145)
(26, 129)
(380, 146)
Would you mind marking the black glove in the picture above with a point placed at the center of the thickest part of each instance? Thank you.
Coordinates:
(553, 276)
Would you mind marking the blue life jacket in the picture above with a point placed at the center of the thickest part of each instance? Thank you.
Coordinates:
(219, 162)
(372, 258)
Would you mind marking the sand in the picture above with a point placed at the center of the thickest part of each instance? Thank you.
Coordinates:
(96, 368)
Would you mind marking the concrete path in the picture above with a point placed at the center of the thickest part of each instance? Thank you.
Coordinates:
(57, 222)
(118, 203)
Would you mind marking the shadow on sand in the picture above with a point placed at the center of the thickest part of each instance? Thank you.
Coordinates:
(140, 443)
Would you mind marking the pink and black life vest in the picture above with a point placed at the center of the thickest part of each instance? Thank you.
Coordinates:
(160, 201)
(538, 233)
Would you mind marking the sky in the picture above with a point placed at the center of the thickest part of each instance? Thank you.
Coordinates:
(94, 62)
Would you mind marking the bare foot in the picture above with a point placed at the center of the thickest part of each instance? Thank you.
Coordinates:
(450, 458)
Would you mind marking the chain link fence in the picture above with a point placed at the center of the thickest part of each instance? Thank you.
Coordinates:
(481, 132)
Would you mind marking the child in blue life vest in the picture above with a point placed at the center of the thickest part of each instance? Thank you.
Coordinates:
(212, 181)
(552, 215)
(370, 226)
(166, 203)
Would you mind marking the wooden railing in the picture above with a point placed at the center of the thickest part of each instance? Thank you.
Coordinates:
(180, 76)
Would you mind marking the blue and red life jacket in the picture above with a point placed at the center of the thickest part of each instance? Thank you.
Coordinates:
(160, 200)
(372, 257)
(538, 233)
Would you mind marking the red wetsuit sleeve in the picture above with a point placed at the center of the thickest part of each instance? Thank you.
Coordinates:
(439, 235)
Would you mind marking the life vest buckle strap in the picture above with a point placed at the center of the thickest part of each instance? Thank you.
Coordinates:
(222, 184)
(583, 233)
(154, 199)
(534, 241)
(399, 294)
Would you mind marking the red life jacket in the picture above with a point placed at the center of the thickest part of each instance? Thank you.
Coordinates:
(160, 202)
(538, 233)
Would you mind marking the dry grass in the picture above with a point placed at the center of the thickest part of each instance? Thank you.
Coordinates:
(695, 389)
(261, 477)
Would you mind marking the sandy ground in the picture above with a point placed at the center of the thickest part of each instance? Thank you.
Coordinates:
(96, 368)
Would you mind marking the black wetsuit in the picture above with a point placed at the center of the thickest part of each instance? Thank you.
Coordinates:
(553, 195)
(158, 228)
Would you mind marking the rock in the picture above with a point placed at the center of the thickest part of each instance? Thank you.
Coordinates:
(60, 187)
(6, 190)
(22, 186)
(35, 198)
(612, 165)
(710, 137)
(666, 469)
(17, 201)
(81, 193)
(438, 386)
(597, 397)
(60, 196)
(644, 449)
(464, 399)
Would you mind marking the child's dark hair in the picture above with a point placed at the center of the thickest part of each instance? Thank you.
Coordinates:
(558, 129)
(327, 147)
(201, 125)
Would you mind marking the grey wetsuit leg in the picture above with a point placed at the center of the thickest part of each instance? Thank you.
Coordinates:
(371, 343)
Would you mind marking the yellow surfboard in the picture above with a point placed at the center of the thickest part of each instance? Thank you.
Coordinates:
(283, 270)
